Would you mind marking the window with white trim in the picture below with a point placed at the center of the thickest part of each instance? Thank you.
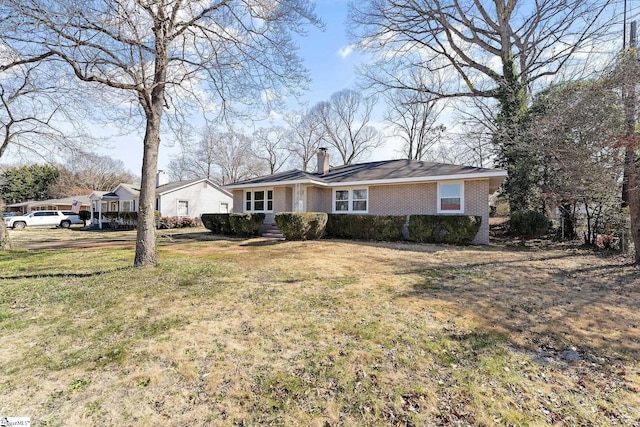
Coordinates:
(183, 208)
(258, 201)
(354, 200)
(450, 197)
(127, 206)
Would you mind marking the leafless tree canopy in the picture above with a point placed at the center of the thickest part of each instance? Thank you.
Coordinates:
(473, 45)
(224, 156)
(165, 55)
(305, 135)
(269, 146)
(85, 172)
(234, 157)
(345, 120)
(196, 160)
(414, 116)
(33, 112)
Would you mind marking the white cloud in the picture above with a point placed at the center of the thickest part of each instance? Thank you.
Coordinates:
(345, 51)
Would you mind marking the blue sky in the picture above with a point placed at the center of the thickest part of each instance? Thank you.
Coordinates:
(323, 53)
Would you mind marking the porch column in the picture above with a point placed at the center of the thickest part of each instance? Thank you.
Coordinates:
(100, 214)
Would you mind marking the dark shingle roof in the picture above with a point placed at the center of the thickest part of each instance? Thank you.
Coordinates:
(293, 175)
(372, 171)
(173, 185)
(396, 169)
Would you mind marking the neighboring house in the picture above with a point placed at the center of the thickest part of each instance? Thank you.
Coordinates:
(181, 198)
(393, 187)
(63, 204)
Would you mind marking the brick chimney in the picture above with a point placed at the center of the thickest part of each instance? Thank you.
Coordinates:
(323, 161)
(161, 178)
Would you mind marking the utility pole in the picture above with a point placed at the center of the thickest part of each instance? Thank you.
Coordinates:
(630, 72)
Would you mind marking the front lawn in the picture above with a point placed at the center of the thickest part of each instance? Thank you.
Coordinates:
(320, 333)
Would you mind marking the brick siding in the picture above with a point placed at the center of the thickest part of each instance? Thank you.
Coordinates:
(318, 199)
(401, 199)
(408, 199)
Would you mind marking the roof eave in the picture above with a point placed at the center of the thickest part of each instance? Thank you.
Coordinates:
(275, 184)
(453, 177)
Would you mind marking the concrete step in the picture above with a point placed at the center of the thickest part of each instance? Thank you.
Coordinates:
(272, 236)
(272, 231)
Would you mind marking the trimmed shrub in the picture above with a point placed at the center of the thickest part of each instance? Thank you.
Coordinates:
(301, 225)
(123, 219)
(178, 222)
(109, 215)
(365, 227)
(453, 229)
(129, 218)
(528, 224)
(246, 224)
(218, 223)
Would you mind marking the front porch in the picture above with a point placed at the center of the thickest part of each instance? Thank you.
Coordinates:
(283, 198)
(112, 210)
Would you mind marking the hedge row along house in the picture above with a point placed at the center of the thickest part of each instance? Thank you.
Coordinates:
(392, 187)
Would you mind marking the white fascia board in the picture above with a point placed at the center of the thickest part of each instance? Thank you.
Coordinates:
(275, 184)
(458, 177)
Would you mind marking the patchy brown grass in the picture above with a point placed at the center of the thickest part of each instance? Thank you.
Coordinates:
(326, 333)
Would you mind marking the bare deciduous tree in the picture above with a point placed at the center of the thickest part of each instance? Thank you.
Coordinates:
(179, 168)
(85, 172)
(269, 145)
(196, 160)
(234, 157)
(221, 156)
(414, 116)
(35, 121)
(304, 138)
(161, 55)
(499, 50)
(345, 119)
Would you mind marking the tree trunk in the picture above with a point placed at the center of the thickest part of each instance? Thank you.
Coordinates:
(146, 255)
(153, 104)
(4, 236)
(146, 236)
(633, 192)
